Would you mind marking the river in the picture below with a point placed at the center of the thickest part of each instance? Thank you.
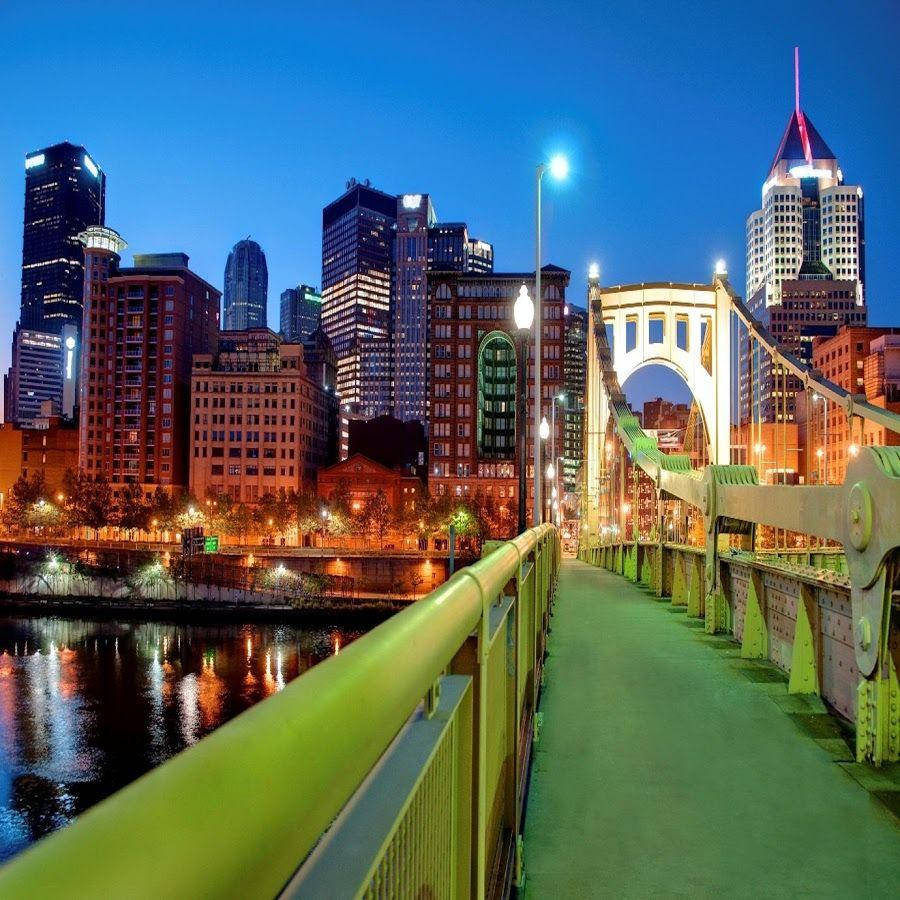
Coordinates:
(88, 706)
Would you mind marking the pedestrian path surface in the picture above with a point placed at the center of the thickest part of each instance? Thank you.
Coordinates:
(664, 771)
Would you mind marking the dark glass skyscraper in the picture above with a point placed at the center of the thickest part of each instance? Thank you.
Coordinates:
(65, 193)
(357, 262)
(301, 312)
(246, 287)
(450, 249)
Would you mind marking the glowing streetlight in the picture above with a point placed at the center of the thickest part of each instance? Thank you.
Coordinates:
(60, 496)
(523, 310)
(853, 449)
(544, 429)
(626, 508)
(523, 314)
(551, 470)
(192, 511)
(759, 448)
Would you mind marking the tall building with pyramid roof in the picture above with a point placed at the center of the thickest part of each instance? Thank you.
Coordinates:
(810, 223)
(805, 261)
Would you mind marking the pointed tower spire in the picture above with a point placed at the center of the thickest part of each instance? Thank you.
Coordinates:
(797, 80)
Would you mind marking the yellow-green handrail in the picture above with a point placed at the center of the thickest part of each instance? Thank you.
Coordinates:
(236, 813)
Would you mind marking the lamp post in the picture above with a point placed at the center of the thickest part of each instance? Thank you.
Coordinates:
(523, 313)
(559, 169)
(543, 432)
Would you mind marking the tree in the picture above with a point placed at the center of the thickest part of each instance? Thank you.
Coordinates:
(25, 494)
(162, 510)
(306, 510)
(131, 509)
(376, 515)
(238, 521)
(273, 513)
(89, 500)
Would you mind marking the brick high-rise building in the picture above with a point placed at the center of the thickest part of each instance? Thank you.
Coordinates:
(259, 419)
(862, 361)
(473, 384)
(142, 326)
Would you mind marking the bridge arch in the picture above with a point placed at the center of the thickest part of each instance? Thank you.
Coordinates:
(671, 325)
(672, 367)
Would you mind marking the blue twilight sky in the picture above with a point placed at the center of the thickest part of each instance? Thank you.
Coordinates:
(214, 121)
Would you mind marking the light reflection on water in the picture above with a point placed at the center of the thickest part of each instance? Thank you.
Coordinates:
(86, 707)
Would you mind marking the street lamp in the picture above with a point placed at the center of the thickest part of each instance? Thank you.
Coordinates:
(523, 313)
(544, 428)
(559, 169)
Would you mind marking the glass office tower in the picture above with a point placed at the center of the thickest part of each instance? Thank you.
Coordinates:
(246, 287)
(65, 193)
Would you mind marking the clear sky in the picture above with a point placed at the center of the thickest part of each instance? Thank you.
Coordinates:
(214, 121)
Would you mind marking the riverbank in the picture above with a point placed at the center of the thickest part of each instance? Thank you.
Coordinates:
(365, 611)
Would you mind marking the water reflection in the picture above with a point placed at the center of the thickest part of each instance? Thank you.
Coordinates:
(86, 707)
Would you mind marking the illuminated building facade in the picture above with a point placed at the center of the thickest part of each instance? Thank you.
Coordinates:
(142, 326)
(805, 263)
(65, 192)
(259, 418)
(246, 287)
(862, 361)
(300, 312)
(357, 262)
(575, 321)
(415, 216)
(473, 369)
(35, 375)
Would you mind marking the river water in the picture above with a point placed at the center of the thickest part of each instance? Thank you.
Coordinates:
(88, 706)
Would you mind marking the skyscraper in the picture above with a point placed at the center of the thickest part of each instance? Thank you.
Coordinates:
(301, 312)
(415, 217)
(450, 249)
(805, 262)
(246, 287)
(377, 251)
(65, 192)
(357, 264)
(35, 376)
(575, 322)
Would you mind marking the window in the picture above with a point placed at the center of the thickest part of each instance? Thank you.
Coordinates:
(496, 421)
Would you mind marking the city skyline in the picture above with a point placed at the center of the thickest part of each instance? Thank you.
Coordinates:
(483, 178)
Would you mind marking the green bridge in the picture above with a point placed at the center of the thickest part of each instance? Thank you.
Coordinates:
(555, 729)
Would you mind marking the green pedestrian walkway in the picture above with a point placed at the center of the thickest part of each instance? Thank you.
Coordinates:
(663, 770)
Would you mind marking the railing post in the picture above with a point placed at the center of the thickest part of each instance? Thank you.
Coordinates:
(804, 678)
(872, 547)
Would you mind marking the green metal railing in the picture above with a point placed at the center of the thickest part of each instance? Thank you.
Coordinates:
(401, 763)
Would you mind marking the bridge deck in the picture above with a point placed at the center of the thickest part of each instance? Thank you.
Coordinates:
(669, 766)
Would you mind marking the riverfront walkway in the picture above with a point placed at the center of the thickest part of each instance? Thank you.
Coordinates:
(669, 767)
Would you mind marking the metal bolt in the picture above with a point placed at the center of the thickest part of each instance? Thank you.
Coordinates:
(864, 633)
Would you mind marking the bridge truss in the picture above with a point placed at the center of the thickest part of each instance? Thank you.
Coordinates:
(825, 611)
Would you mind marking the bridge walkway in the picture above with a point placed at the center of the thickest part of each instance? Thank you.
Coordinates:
(668, 766)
